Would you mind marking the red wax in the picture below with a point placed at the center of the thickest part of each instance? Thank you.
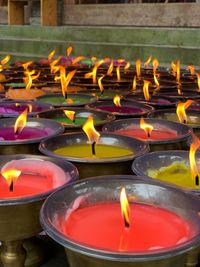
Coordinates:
(140, 134)
(25, 134)
(102, 226)
(37, 176)
(26, 185)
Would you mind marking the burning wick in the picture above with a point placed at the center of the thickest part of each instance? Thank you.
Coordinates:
(197, 180)
(92, 134)
(125, 209)
(148, 128)
(193, 165)
(20, 122)
(93, 148)
(70, 114)
(11, 176)
(117, 102)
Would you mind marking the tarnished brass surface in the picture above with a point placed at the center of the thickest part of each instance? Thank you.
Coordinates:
(79, 260)
(13, 254)
(19, 149)
(181, 145)
(35, 252)
(88, 170)
(19, 222)
(192, 258)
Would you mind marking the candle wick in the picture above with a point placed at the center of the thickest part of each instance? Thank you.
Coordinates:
(11, 187)
(74, 119)
(148, 134)
(102, 92)
(126, 223)
(184, 121)
(93, 148)
(197, 180)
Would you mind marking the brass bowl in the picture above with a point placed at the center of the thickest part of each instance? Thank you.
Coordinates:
(19, 216)
(27, 146)
(105, 189)
(92, 166)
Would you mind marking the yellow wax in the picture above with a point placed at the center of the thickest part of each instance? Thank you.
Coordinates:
(85, 151)
(176, 173)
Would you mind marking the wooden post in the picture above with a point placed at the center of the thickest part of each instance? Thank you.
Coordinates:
(49, 13)
(3, 2)
(16, 12)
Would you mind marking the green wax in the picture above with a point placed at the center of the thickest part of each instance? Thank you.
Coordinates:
(105, 95)
(176, 173)
(79, 121)
(59, 100)
(16, 85)
(85, 151)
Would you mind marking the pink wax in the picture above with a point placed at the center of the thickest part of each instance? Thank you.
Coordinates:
(155, 134)
(128, 110)
(37, 176)
(26, 134)
(102, 226)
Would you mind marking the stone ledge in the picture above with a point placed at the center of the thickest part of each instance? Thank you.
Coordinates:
(159, 14)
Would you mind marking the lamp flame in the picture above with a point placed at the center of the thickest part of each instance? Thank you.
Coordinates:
(193, 166)
(100, 84)
(5, 60)
(93, 59)
(30, 107)
(116, 101)
(146, 63)
(191, 68)
(155, 65)
(174, 68)
(10, 176)
(134, 84)
(118, 73)
(93, 73)
(178, 71)
(92, 134)
(28, 80)
(110, 69)
(127, 66)
(51, 55)
(26, 65)
(77, 59)
(148, 128)
(120, 60)
(125, 208)
(70, 114)
(69, 50)
(198, 81)
(20, 122)
(65, 80)
(180, 110)
(138, 68)
(156, 81)
(146, 90)
(53, 66)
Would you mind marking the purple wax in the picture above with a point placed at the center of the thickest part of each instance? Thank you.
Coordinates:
(127, 109)
(26, 134)
(13, 109)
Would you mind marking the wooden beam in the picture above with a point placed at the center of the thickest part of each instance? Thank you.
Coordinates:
(49, 13)
(16, 12)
